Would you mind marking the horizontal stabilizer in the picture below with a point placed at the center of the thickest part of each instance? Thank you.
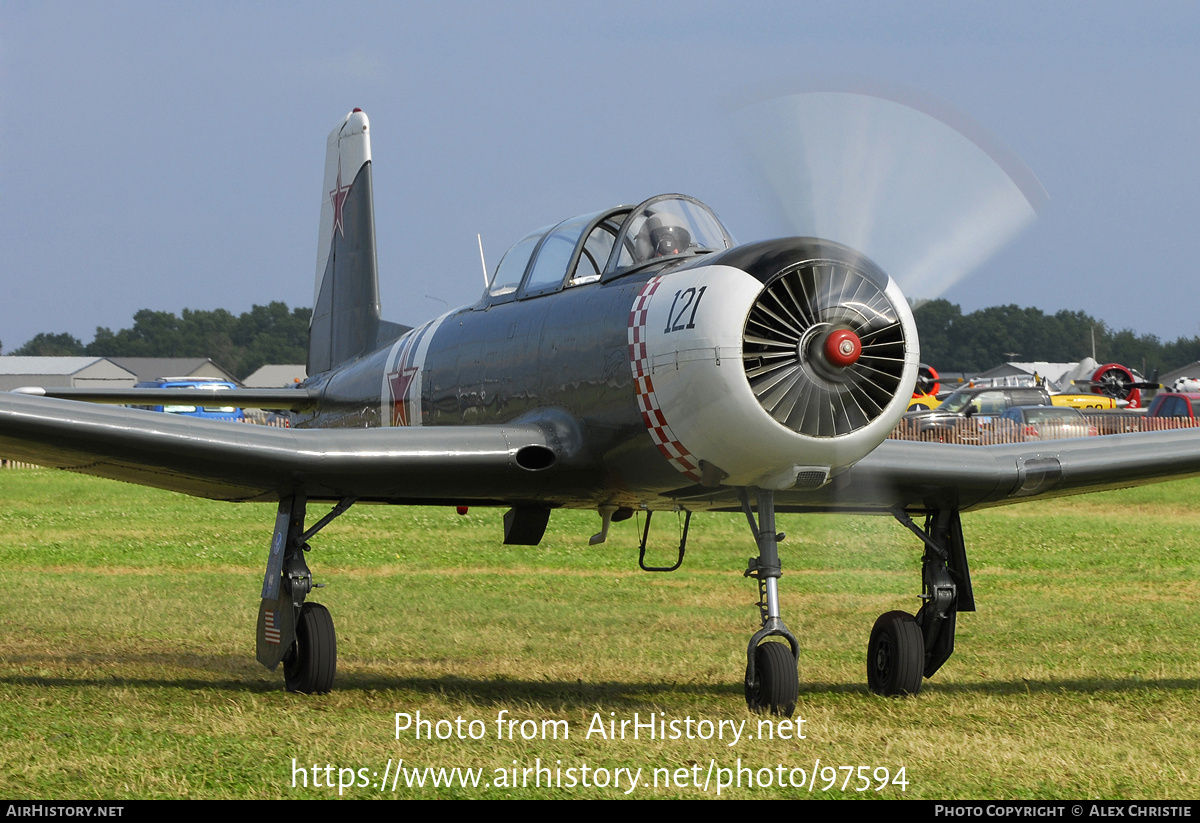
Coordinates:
(292, 399)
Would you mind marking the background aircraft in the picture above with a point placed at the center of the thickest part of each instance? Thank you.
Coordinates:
(925, 392)
(629, 359)
(1109, 386)
(1111, 380)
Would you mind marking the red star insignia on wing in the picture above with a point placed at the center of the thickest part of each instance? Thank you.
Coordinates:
(400, 381)
(338, 198)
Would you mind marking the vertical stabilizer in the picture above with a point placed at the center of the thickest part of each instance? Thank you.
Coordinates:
(345, 319)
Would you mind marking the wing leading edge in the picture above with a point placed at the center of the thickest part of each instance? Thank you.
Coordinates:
(930, 476)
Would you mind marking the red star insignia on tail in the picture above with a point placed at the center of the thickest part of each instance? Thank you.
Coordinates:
(338, 198)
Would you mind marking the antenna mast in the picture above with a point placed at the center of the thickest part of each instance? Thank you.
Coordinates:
(482, 262)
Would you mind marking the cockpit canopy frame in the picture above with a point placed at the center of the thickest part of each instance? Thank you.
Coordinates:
(604, 245)
(663, 228)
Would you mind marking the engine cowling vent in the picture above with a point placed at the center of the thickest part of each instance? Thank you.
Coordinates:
(824, 348)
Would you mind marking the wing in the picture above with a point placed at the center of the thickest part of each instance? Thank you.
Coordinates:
(508, 463)
(930, 476)
(233, 461)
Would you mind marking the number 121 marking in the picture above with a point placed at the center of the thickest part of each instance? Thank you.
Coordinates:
(691, 299)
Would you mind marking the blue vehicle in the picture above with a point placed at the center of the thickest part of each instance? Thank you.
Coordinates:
(208, 411)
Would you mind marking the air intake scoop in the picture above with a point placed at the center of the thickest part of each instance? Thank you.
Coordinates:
(825, 348)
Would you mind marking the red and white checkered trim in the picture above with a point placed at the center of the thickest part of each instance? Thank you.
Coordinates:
(652, 415)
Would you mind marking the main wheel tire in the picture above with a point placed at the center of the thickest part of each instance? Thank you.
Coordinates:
(776, 684)
(312, 663)
(895, 655)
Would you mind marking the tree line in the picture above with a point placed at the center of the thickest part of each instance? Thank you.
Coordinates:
(975, 342)
(239, 344)
(950, 340)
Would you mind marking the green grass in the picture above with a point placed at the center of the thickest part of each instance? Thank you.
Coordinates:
(127, 650)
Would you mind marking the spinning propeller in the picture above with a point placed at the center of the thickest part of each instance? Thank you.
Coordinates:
(906, 181)
(924, 192)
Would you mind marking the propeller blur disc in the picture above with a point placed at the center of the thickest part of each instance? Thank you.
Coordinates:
(907, 181)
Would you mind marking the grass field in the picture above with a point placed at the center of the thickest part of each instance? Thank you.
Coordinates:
(127, 655)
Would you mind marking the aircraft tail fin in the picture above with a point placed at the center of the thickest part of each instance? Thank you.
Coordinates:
(345, 321)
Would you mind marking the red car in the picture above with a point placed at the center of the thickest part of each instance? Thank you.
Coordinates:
(1176, 404)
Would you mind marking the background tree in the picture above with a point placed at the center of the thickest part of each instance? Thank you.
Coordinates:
(241, 344)
(951, 341)
(52, 345)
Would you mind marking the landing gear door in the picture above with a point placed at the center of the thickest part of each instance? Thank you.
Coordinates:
(273, 579)
(276, 631)
(276, 617)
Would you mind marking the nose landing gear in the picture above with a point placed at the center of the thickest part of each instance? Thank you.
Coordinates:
(772, 682)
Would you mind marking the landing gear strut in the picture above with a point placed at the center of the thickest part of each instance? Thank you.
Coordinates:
(298, 634)
(772, 683)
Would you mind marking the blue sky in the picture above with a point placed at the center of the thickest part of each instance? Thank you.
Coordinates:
(170, 155)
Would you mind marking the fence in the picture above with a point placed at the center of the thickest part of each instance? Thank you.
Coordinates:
(972, 432)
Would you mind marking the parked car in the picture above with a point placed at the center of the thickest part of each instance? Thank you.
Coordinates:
(1175, 404)
(1040, 423)
(209, 412)
(981, 405)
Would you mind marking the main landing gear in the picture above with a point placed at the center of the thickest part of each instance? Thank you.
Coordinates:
(291, 631)
(904, 649)
(895, 655)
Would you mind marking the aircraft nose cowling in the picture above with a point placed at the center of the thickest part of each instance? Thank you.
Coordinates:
(776, 364)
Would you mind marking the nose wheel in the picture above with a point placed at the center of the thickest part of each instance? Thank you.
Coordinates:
(773, 685)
